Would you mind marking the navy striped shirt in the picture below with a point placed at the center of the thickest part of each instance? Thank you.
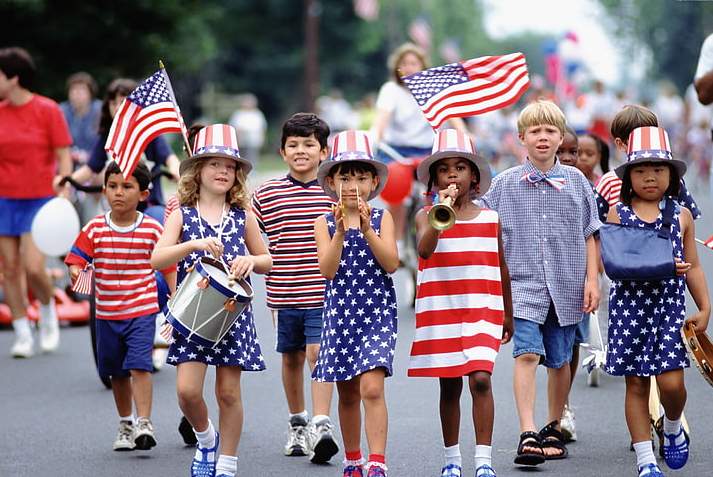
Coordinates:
(286, 209)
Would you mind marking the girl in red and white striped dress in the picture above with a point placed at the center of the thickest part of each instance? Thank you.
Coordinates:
(463, 302)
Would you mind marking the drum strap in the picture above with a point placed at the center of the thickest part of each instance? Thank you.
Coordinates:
(220, 232)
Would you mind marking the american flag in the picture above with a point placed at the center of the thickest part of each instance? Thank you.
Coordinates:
(709, 243)
(367, 9)
(149, 111)
(471, 87)
(420, 32)
(83, 283)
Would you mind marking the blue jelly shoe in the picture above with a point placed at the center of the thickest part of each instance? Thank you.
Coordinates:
(353, 471)
(205, 467)
(451, 470)
(485, 471)
(650, 470)
(675, 456)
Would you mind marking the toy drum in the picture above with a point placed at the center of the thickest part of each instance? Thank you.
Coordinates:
(700, 349)
(207, 303)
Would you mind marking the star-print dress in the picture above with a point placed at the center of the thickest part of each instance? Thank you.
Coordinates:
(359, 320)
(240, 347)
(645, 318)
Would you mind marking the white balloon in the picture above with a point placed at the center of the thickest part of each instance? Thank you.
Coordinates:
(55, 227)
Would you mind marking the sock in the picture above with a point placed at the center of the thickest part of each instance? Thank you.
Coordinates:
(320, 419)
(129, 418)
(301, 418)
(22, 327)
(227, 464)
(644, 453)
(483, 455)
(673, 428)
(206, 439)
(377, 458)
(48, 313)
(452, 455)
(353, 457)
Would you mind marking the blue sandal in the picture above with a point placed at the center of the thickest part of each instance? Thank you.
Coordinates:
(650, 470)
(675, 456)
(451, 470)
(485, 471)
(205, 467)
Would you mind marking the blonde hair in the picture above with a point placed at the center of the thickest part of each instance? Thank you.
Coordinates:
(541, 112)
(189, 187)
(398, 54)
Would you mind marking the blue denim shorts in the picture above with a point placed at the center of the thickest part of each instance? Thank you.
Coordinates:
(123, 345)
(298, 327)
(16, 215)
(552, 342)
(582, 333)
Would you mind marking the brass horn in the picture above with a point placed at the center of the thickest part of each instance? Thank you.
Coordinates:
(442, 216)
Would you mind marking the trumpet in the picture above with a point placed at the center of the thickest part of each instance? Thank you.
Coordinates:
(442, 216)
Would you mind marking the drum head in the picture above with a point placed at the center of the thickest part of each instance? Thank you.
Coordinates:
(217, 272)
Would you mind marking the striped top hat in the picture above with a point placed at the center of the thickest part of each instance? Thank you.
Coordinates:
(216, 140)
(450, 143)
(349, 146)
(650, 144)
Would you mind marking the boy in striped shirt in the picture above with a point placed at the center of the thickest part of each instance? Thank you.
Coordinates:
(118, 246)
(286, 208)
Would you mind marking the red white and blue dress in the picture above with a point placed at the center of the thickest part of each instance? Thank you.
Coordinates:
(359, 319)
(241, 346)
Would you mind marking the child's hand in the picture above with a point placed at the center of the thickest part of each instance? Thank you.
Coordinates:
(211, 245)
(700, 321)
(681, 267)
(242, 266)
(364, 216)
(74, 273)
(451, 191)
(338, 218)
(508, 330)
(591, 296)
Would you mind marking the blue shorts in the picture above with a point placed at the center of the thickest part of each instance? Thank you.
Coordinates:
(581, 335)
(405, 151)
(16, 215)
(552, 342)
(298, 327)
(123, 345)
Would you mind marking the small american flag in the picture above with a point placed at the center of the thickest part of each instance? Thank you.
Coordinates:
(471, 87)
(367, 9)
(83, 283)
(709, 243)
(149, 111)
(420, 32)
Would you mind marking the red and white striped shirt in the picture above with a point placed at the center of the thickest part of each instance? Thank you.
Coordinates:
(286, 210)
(125, 285)
(459, 302)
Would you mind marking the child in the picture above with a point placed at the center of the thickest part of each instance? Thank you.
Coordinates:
(121, 241)
(213, 221)
(646, 317)
(568, 152)
(286, 208)
(357, 254)
(548, 217)
(593, 157)
(463, 301)
(608, 188)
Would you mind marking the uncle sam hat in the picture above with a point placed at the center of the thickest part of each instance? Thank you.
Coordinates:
(650, 144)
(351, 146)
(216, 140)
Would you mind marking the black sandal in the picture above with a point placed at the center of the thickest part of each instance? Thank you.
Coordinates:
(530, 457)
(553, 439)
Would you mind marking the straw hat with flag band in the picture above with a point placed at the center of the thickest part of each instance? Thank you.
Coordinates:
(650, 144)
(216, 140)
(351, 146)
(450, 143)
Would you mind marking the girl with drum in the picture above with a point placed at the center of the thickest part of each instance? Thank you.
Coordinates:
(357, 253)
(214, 221)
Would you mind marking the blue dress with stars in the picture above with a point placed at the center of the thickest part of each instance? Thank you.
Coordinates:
(240, 347)
(359, 319)
(645, 318)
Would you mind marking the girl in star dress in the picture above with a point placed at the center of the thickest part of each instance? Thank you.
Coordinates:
(645, 318)
(213, 221)
(357, 253)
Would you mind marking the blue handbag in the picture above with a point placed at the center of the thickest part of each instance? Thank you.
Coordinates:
(639, 253)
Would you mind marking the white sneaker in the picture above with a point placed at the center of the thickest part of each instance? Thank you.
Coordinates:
(49, 334)
(124, 438)
(321, 443)
(567, 424)
(23, 346)
(296, 438)
(143, 435)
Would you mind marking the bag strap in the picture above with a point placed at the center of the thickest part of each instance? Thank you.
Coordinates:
(667, 218)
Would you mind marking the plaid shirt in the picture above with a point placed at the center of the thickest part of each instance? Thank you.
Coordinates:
(544, 233)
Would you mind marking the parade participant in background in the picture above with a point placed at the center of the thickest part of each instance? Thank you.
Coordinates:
(399, 121)
(609, 186)
(34, 146)
(568, 152)
(213, 220)
(251, 125)
(548, 218)
(118, 246)
(593, 157)
(646, 317)
(357, 253)
(703, 83)
(286, 208)
(463, 301)
(157, 152)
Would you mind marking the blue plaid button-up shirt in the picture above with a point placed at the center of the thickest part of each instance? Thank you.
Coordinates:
(544, 232)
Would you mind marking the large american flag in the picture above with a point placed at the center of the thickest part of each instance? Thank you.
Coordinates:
(149, 111)
(469, 87)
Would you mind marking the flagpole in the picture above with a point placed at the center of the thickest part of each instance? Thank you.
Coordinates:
(186, 144)
(703, 243)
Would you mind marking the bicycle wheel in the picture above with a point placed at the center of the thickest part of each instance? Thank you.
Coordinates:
(93, 333)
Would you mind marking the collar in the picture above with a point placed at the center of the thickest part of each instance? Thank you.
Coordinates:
(300, 183)
(556, 169)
